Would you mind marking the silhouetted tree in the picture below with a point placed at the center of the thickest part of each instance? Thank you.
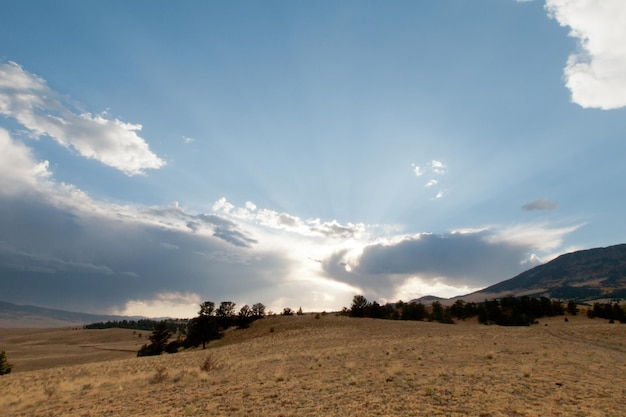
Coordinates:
(557, 308)
(258, 310)
(203, 328)
(359, 306)
(207, 309)
(226, 314)
(572, 307)
(440, 314)
(377, 311)
(287, 312)
(413, 311)
(159, 338)
(245, 317)
(471, 310)
(489, 312)
(458, 309)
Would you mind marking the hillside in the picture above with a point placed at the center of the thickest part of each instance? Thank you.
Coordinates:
(340, 366)
(583, 275)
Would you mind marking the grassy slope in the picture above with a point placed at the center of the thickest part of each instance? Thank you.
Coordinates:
(338, 366)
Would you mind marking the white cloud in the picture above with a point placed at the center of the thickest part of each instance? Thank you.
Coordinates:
(188, 140)
(538, 236)
(19, 171)
(438, 167)
(431, 183)
(432, 168)
(167, 304)
(286, 222)
(222, 205)
(26, 98)
(596, 74)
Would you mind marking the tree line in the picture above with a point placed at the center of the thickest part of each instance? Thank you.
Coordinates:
(361, 307)
(608, 311)
(506, 311)
(175, 325)
(208, 325)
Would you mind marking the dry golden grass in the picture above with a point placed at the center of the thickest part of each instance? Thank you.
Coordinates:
(337, 366)
(32, 349)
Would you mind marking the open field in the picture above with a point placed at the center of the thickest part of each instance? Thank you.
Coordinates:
(338, 366)
(33, 349)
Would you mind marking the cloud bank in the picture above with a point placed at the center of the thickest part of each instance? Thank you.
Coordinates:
(59, 247)
(596, 73)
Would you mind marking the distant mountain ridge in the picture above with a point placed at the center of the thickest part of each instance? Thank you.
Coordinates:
(15, 315)
(582, 275)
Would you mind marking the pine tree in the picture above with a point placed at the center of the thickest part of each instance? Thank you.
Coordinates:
(5, 366)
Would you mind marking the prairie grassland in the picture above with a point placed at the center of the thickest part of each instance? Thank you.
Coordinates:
(33, 349)
(338, 366)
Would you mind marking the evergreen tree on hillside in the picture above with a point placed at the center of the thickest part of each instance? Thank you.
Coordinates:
(5, 366)
(158, 340)
(359, 307)
(413, 311)
(203, 328)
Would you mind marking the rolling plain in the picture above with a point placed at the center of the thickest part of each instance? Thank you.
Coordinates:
(326, 366)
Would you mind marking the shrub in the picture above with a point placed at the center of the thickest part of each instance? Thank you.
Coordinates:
(209, 364)
(5, 366)
(172, 347)
(160, 375)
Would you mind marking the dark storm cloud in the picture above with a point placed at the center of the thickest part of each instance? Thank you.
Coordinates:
(52, 258)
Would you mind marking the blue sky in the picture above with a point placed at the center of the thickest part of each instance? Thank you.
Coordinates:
(154, 155)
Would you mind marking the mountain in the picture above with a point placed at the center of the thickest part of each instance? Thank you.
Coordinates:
(14, 315)
(583, 275)
(427, 299)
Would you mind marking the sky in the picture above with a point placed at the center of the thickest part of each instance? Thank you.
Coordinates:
(157, 154)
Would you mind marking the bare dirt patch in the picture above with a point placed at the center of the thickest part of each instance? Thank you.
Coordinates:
(338, 366)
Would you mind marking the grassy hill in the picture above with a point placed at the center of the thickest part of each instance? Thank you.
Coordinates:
(340, 366)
